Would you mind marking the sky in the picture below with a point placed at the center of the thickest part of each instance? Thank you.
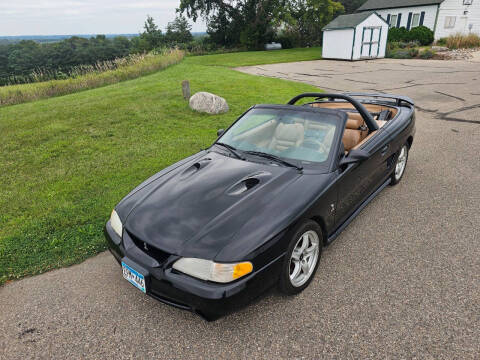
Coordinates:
(65, 17)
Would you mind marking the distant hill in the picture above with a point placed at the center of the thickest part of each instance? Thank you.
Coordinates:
(54, 38)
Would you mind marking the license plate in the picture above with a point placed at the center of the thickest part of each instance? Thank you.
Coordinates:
(134, 277)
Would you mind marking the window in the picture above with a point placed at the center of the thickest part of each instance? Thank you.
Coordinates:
(449, 22)
(415, 20)
(393, 21)
(302, 135)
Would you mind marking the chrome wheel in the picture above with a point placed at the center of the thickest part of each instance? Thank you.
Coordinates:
(401, 163)
(304, 258)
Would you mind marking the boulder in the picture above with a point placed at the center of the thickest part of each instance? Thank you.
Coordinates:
(208, 103)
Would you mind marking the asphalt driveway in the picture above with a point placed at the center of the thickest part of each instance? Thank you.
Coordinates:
(402, 281)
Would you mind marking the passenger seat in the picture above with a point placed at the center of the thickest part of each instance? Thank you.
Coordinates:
(355, 131)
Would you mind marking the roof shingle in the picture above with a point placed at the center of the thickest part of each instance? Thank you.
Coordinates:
(347, 21)
(391, 4)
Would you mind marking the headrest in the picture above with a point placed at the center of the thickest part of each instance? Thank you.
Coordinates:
(289, 132)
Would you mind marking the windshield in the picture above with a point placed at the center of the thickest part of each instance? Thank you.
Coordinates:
(287, 133)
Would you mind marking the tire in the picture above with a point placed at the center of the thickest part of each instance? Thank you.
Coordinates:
(291, 281)
(400, 165)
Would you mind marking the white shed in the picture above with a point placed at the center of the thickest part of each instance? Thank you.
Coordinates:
(355, 37)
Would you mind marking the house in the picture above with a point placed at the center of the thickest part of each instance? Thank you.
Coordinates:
(355, 36)
(443, 17)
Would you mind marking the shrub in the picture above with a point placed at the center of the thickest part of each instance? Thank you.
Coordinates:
(422, 34)
(288, 39)
(459, 41)
(399, 54)
(427, 54)
(413, 52)
(397, 34)
(412, 44)
(441, 42)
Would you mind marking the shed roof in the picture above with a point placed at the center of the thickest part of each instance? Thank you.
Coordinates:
(349, 21)
(391, 4)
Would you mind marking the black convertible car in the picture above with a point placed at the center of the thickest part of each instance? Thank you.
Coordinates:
(254, 210)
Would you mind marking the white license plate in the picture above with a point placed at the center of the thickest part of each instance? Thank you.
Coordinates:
(134, 277)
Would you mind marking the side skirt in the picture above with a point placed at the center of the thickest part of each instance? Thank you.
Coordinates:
(356, 212)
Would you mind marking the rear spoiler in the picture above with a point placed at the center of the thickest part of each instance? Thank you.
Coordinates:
(398, 98)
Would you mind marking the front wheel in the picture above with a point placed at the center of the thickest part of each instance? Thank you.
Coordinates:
(302, 258)
(400, 165)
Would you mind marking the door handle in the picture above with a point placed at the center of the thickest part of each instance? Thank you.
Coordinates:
(384, 150)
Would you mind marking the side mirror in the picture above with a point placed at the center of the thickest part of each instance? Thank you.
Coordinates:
(354, 156)
(220, 132)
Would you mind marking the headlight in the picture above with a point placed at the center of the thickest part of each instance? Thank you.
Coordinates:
(211, 271)
(116, 223)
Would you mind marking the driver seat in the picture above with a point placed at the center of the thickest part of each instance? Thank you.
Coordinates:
(286, 136)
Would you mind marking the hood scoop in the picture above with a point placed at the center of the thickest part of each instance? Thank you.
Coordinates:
(194, 168)
(247, 183)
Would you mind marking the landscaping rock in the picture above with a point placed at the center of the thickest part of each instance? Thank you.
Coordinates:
(439, 48)
(459, 54)
(208, 103)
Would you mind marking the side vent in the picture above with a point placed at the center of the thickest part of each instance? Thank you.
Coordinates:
(194, 168)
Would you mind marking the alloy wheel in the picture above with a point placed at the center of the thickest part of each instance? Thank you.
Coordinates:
(401, 163)
(304, 258)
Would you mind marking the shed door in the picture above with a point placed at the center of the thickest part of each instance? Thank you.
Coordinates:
(371, 41)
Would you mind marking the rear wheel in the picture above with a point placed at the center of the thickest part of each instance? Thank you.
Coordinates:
(400, 165)
(302, 258)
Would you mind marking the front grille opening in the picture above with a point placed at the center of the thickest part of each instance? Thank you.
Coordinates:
(150, 250)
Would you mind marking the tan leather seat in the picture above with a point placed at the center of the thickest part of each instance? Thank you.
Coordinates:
(351, 138)
(286, 136)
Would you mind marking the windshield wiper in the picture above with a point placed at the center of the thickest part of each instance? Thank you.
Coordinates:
(274, 158)
(231, 149)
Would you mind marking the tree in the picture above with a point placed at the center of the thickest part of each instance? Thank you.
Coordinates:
(304, 19)
(225, 26)
(250, 22)
(179, 31)
(151, 37)
(351, 5)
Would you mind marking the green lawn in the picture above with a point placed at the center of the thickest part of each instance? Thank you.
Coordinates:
(66, 161)
(259, 57)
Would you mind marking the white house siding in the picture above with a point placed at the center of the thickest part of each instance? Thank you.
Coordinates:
(428, 21)
(370, 21)
(337, 44)
(456, 8)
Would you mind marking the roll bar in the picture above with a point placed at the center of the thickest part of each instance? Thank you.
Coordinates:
(371, 123)
(398, 98)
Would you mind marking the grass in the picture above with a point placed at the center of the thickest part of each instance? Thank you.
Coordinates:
(259, 57)
(105, 73)
(66, 161)
(459, 41)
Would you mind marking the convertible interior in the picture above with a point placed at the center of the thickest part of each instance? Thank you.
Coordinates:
(300, 133)
(356, 131)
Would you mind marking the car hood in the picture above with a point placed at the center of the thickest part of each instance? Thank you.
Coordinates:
(197, 208)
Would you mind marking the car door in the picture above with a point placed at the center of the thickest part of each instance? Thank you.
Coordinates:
(353, 185)
(381, 151)
(357, 181)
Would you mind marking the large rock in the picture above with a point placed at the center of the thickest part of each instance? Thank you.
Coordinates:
(208, 103)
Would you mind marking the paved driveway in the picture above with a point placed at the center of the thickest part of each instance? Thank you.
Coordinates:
(402, 281)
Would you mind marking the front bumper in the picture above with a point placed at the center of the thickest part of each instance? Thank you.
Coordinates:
(209, 300)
